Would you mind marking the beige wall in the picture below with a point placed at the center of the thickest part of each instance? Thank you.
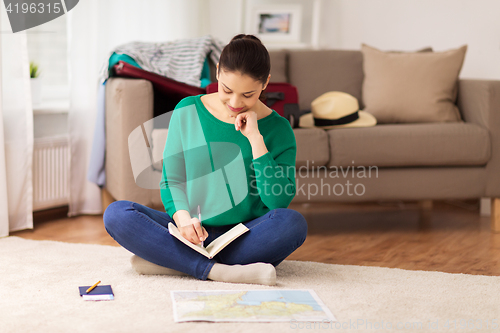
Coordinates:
(395, 24)
(413, 24)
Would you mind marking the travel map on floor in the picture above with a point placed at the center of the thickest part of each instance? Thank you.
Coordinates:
(249, 306)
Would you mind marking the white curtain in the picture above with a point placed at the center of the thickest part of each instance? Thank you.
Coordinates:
(95, 28)
(16, 131)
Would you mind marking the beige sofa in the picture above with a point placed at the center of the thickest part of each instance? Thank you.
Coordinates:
(386, 162)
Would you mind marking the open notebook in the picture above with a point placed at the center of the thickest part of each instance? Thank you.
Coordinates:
(216, 245)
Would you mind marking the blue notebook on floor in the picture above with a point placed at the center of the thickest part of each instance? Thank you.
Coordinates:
(99, 293)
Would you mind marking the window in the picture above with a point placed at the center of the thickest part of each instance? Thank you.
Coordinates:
(48, 47)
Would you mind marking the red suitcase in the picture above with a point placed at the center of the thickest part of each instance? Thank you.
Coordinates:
(282, 97)
(167, 92)
(165, 85)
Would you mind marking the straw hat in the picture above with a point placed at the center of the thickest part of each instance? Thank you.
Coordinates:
(336, 109)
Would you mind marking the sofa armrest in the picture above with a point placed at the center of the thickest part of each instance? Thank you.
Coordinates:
(479, 103)
(129, 103)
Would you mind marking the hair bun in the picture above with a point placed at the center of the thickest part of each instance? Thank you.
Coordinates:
(244, 36)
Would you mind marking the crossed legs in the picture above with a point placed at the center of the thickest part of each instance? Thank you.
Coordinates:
(144, 232)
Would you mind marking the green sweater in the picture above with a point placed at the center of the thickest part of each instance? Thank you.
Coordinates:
(206, 162)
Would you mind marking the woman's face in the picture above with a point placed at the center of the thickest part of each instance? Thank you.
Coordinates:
(238, 93)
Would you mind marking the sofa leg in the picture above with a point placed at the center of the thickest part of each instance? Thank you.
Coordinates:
(495, 214)
(424, 209)
(106, 199)
(425, 205)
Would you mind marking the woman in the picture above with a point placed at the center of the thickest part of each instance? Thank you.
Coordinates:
(232, 156)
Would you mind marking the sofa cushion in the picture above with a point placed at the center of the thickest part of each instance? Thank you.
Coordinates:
(409, 145)
(278, 66)
(411, 87)
(319, 71)
(312, 147)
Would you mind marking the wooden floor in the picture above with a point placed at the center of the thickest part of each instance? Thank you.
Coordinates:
(451, 237)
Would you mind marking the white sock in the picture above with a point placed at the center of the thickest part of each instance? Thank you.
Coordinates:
(143, 266)
(258, 273)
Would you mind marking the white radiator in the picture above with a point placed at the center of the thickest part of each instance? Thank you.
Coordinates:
(50, 172)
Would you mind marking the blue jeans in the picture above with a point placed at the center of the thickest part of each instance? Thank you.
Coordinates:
(144, 232)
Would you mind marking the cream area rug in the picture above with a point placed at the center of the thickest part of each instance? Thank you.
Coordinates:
(39, 293)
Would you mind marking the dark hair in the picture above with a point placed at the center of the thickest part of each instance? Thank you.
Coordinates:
(247, 55)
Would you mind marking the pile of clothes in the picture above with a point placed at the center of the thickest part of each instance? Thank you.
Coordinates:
(183, 60)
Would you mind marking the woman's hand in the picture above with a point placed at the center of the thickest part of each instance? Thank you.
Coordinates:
(246, 123)
(193, 231)
(189, 227)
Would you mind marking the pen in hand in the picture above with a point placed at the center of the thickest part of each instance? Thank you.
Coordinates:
(199, 218)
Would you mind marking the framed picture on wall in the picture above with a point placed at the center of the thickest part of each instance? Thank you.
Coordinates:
(279, 24)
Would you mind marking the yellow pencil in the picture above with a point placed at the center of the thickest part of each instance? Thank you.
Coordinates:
(92, 288)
